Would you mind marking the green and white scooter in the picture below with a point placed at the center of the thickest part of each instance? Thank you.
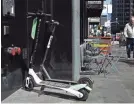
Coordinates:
(79, 89)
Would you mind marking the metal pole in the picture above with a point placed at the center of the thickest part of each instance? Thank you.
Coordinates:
(76, 39)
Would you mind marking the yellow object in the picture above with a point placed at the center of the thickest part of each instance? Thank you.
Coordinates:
(100, 45)
(104, 44)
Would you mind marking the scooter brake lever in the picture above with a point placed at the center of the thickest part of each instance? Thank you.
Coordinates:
(29, 16)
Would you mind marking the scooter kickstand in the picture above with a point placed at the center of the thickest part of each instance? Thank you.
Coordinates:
(41, 91)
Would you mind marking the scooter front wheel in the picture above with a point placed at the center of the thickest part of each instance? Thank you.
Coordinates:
(30, 85)
(85, 94)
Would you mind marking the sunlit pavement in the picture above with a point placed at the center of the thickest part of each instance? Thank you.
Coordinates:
(117, 87)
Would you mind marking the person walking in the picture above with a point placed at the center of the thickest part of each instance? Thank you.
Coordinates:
(129, 34)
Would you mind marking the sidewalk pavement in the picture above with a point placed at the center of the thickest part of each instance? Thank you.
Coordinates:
(117, 87)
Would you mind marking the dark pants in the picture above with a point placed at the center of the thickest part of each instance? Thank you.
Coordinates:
(130, 46)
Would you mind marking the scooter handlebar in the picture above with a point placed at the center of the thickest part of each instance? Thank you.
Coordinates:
(38, 14)
(53, 22)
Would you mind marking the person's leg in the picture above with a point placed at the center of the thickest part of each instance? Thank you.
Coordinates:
(133, 47)
(119, 42)
(128, 47)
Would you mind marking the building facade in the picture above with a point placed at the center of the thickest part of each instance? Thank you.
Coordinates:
(121, 10)
(60, 59)
(103, 19)
(94, 10)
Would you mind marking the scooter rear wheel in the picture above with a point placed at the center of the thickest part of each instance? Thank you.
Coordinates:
(85, 80)
(85, 94)
(30, 86)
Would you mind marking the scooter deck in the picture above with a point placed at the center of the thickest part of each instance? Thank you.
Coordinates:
(62, 81)
(55, 84)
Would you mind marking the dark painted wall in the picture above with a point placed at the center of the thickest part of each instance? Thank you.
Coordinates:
(59, 58)
(83, 21)
(34, 6)
(60, 55)
(11, 76)
(62, 49)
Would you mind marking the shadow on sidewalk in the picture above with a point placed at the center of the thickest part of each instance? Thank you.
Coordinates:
(129, 62)
(55, 94)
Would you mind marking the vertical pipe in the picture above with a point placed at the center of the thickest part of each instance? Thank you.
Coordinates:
(75, 39)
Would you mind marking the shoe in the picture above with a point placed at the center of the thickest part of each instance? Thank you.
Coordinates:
(128, 58)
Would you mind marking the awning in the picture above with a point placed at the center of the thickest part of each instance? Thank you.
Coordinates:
(94, 12)
(94, 20)
(94, 8)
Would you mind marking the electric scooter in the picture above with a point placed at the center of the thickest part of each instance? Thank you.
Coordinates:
(81, 91)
